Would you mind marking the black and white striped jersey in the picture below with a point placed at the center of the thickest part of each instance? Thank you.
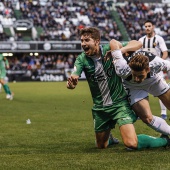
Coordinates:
(155, 44)
(156, 65)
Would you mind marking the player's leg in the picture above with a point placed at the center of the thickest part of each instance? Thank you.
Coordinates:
(142, 141)
(165, 98)
(129, 137)
(102, 129)
(162, 106)
(6, 88)
(125, 119)
(161, 89)
(102, 139)
(139, 102)
(163, 110)
(142, 109)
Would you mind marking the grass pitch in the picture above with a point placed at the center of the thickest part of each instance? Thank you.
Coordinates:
(61, 134)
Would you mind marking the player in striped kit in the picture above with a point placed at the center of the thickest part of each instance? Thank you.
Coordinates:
(140, 72)
(110, 104)
(156, 45)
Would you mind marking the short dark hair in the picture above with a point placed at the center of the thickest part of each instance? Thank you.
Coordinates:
(93, 31)
(149, 21)
(139, 62)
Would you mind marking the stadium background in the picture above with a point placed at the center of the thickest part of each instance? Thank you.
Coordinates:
(41, 37)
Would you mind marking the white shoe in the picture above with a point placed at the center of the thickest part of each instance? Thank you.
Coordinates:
(9, 96)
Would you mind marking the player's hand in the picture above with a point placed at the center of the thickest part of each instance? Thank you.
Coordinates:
(107, 56)
(72, 82)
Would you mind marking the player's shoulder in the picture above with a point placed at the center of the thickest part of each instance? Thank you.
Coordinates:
(158, 36)
(81, 55)
(141, 38)
(105, 47)
(148, 54)
(82, 58)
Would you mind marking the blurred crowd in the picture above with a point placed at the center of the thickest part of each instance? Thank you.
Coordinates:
(134, 14)
(42, 61)
(61, 21)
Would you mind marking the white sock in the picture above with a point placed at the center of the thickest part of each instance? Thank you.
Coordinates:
(163, 108)
(160, 125)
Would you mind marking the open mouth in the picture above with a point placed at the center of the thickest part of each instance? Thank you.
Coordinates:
(86, 49)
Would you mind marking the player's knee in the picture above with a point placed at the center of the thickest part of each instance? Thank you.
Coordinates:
(147, 119)
(131, 144)
(101, 145)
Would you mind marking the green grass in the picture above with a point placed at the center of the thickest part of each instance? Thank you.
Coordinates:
(61, 134)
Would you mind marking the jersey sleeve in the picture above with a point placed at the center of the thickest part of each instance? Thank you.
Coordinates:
(121, 66)
(162, 44)
(78, 66)
(159, 64)
(1, 58)
(6, 62)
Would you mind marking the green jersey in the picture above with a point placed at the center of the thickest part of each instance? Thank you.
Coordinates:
(105, 86)
(3, 63)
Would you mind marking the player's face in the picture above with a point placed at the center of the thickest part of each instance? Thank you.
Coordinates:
(89, 45)
(149, 28)
(139, 76)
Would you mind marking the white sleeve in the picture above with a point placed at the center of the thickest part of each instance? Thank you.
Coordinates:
(141, 40)
(158, 64)
(162, 44)
(121, 67)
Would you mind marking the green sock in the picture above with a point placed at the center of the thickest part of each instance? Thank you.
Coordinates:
(6, 88)
(145, 141)
(110, 142)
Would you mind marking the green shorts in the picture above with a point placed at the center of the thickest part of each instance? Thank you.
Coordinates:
(106, 118)
(2, 73)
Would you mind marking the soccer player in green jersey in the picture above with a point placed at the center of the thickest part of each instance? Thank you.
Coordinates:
(3, 65)
(109, 97)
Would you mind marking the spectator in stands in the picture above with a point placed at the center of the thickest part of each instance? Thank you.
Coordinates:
(133, 14)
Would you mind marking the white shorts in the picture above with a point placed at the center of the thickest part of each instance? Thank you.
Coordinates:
(137, 91)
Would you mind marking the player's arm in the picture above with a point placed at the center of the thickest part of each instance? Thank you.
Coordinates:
(116, 44)
(132, 45)
(72, 81)
(159, 64)
(163, 48)
(6, 62)
(121, 67)
(165, 55)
